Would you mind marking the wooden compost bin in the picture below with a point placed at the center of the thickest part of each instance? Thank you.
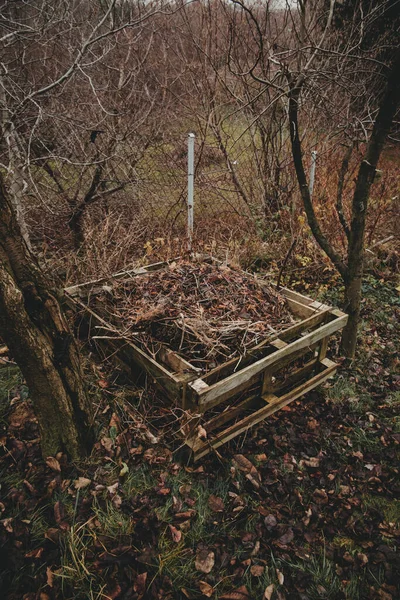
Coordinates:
(242, 391)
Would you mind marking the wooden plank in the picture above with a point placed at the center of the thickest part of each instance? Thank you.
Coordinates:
(274, 403)
(278, 343)
(230, 413)
(294, 377)
(79, 289)
(267, 382)
(257, 351)
(230, 384)
(323, 348)
(299, 309)
(176, 362)
(305, 300)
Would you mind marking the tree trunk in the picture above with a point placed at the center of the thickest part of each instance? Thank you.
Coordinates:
(366, 174)
(35, 330)
(17, 181)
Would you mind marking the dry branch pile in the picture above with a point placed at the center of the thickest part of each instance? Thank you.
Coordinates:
(206, 313)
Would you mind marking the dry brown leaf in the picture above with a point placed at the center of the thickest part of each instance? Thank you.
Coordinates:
(244, 464)
(311, 462)
(201, 433)
(269, 590)
(247, 467)
(107, 443)
(114, 421)
(49, 577)
(82, 482)
(206, 588)
(140, 584)
(238, 594)
(53, 464)
(280, 576)
(216, 504)
(261, 457)
(176, 534)
(58, 512)
(116, 500)
(205, 561)
(257, 570)
(287, 537)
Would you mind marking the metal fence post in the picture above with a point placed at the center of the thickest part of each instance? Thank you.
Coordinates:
(190, 197)
(312, 171)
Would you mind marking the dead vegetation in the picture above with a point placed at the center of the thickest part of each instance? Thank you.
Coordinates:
(207, 313)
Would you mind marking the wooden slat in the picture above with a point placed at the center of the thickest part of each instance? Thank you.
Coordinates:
(230, 413)
(230, 384)
(176, 362)
(299, 309)
(295, 377)
(258, 350)
(79, 289)
(278, 343)
(274, 403)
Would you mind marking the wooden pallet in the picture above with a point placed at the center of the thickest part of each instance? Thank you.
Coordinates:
(275, 372)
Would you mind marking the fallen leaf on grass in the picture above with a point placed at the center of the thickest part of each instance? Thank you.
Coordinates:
(269, 591)
(247, 467)
(244, 465)
(176, 534)
(312, 462)
(216, 504)
(124, 471)
(238, 594)
(206, 588)
(49, 577)
(287, 537)
(205, 561)
(280, 576)
(58, 512)
(82, 482)
(140, 584)
(257, 570)
(53, 464)
(270, 522)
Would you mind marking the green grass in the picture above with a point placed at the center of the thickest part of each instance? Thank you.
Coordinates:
(388, 507)
(10, 380)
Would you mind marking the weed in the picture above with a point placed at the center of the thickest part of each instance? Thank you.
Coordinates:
(324, 582)
(77, 581)
(112, 521)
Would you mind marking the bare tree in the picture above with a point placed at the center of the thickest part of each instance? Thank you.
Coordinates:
(32, 322)
(335, 81)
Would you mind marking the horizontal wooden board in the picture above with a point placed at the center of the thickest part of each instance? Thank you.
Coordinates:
(273, 403)
(83, 289)
(238, 380)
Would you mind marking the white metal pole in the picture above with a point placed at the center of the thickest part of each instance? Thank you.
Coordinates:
(312, 171)
(190, 197)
